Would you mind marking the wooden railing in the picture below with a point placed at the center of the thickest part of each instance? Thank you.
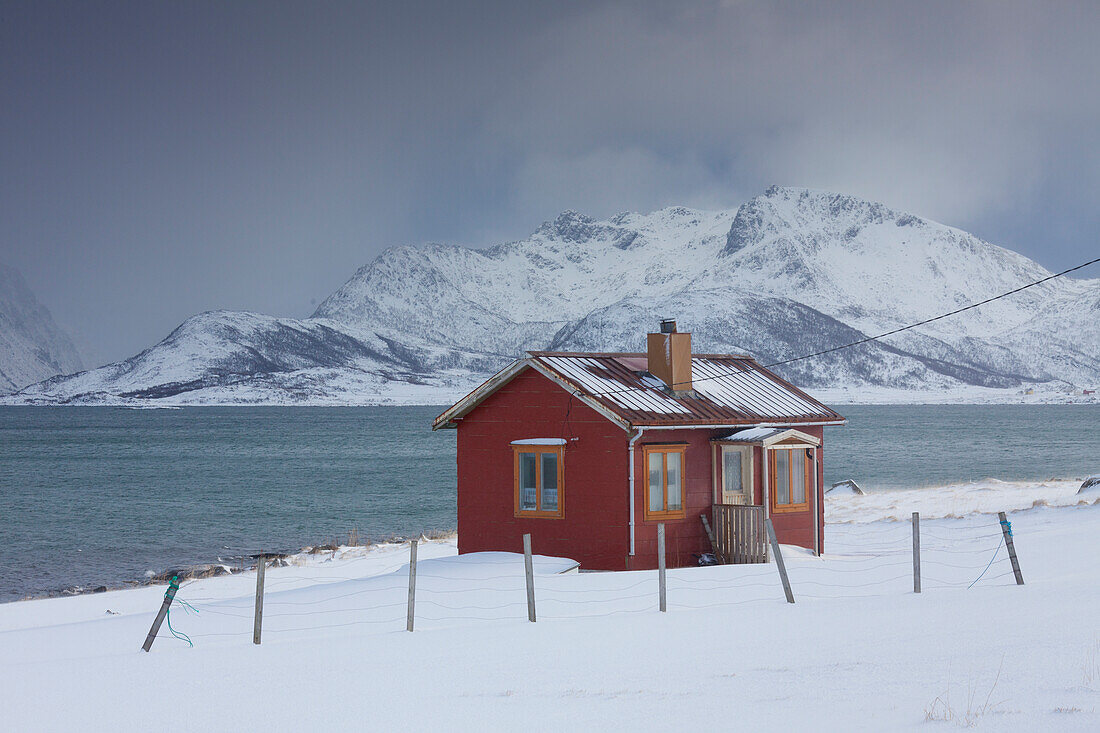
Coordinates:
(739, 535)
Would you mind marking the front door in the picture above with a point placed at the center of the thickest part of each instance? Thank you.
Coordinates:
(736, 479)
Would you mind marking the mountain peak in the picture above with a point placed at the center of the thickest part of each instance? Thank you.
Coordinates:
(570, 226)
(791, 205)
(810, 269)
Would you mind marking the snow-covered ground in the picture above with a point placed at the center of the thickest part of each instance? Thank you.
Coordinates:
(857, 651)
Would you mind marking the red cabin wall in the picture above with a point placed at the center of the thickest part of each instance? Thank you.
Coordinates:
(594, 529)
(684, 538)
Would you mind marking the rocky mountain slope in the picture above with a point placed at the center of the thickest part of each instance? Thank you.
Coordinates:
(32, 347)
(790, 272)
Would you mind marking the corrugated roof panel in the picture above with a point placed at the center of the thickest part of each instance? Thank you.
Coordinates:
(728, 390)
(612, 382)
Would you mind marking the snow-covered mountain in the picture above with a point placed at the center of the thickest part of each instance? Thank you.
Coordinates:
(790, 272)
(32, 347)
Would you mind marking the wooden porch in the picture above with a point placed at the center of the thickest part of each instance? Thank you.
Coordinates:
(738, 536)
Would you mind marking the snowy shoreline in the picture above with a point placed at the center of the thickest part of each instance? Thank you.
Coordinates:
(226, 565)
(952, 501)
(334, 625)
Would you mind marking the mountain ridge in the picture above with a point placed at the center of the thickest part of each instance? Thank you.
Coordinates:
(789, 272)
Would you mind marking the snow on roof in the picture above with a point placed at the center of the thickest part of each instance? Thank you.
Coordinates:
(599, 376)
(727, 389)
(753, 435)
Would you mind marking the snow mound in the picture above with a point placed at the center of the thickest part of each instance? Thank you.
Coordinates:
(486, 565)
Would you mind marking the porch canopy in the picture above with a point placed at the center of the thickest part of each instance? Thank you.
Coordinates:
(768, 437)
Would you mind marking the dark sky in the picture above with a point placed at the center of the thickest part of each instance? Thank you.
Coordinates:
(161, 159)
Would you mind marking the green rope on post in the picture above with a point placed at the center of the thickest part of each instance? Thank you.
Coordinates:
(173, 586)
(178, 634)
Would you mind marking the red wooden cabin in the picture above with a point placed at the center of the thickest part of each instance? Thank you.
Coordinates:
(588, 452)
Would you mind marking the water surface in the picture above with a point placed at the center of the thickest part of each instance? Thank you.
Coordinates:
(98, 496)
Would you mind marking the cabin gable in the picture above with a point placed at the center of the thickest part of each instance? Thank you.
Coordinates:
(594, 519)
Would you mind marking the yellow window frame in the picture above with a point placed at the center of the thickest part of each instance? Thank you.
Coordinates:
(539, 450)
(665, 513)
(809, 465)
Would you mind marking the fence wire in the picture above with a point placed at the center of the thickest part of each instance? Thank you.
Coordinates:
(859, 563)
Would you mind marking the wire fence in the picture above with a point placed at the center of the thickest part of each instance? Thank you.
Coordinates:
(860, 562)
(879, 561)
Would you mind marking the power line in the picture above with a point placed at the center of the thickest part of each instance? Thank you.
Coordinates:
(937, 318)
(869, 338)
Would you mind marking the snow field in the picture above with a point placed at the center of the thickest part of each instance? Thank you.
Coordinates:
(858, 650)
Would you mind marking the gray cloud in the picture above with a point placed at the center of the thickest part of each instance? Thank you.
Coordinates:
(159, 161)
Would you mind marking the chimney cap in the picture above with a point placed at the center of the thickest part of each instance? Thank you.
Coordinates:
(668, 325)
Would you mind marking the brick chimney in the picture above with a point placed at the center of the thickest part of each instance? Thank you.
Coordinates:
(669, 357)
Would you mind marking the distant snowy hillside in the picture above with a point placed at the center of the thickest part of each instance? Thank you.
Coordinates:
(247, 358)
(32, 347)
(790, 272)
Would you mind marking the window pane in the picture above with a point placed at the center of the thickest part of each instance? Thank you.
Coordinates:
(731, 471)
(528, 489)
(675, 502)
(656, 490)
(782, 477)
(550, 482)
(798, 477)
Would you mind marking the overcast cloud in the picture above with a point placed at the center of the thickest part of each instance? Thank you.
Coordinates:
(160, 161)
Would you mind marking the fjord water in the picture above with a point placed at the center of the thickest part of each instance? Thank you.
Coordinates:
(95, 496)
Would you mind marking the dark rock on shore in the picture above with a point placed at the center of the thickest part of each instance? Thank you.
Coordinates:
(845, 487)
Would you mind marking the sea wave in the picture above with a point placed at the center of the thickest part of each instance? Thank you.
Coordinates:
(955, 501)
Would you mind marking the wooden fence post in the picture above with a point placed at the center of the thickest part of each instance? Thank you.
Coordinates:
(169, 595)
(412, 585)
(529, 570)
(779, 560)
(661, 565)
(916, 552)
(261, 567)
(1006, 530)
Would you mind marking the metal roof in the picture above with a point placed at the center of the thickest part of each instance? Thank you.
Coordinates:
(727, 390)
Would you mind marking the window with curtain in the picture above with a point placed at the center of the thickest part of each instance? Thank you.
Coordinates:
(792, 479)
(735, 485)
(538, 480)
(664, 493)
